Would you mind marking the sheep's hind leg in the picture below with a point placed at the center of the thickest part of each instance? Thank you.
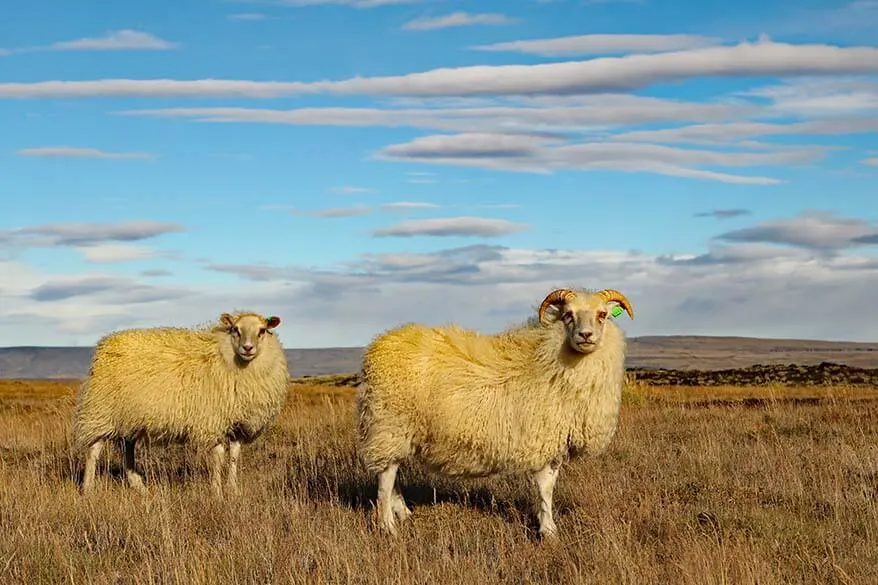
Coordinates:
(218, 457)
(545, 479)
(400, 510)
(135, 480)
(390, 504)
(91, 462)
(234, 454)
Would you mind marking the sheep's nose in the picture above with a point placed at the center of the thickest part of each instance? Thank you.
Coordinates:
(248, 347)
(585, 335)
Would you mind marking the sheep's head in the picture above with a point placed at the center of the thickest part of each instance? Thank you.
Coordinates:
(583, 314)
(246, 332)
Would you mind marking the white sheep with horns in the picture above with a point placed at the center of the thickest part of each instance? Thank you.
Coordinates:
(467, 404)
(213, 386)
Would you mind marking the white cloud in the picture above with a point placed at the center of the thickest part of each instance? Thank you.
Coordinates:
(247, 16)
(734, 132)
(78, 152)
(452, 226)
(811, 230)
(825, 98)
(354, 3)
(602, 75)
(537, 154)
(335, 212)
(87, 234)
(602, 44)
(108, 253)
(351, 189)
(588, 113)
(457, 19)
(758, 285)
(724, 213)
(117, 40)
(407, 205)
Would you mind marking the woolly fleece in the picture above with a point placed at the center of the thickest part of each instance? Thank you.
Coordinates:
(177, 384)
(469, 404)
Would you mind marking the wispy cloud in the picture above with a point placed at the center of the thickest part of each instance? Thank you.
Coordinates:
(538, 154)
(248, 16)
(458, 19)
(156, 272)
(586, 113)
(354, 3)
(335, 212)
(814, 230)
(351, 189)
(724, 213)
(88, 234)
(600, 75)
(826, 98)
(733, 132)
(872, 161)
(452, 226)
(78, 152)
(407, 205)
(112, 253)
(357, 210)
(601, 44)
(118, 40)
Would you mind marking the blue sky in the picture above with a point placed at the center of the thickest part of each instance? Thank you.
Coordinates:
(350, 165)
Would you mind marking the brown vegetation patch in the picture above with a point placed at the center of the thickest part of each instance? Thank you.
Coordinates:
(822, 374)
(688, 492)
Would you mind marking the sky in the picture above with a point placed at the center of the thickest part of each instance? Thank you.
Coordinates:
(351, 165)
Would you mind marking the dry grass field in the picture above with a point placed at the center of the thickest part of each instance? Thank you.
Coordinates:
(701, 486)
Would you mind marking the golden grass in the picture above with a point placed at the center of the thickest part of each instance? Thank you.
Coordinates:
(691, 491)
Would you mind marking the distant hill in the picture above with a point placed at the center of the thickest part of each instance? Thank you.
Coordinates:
(673, 352)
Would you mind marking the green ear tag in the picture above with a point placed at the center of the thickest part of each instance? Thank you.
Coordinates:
(617, 310)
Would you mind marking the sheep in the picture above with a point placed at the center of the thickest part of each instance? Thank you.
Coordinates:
(218, 384)
(472, 405)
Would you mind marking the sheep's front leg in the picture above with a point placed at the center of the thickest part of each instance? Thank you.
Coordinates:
(390, 503)
(135, 480)
(91, 462)
(545, 479)
(234, 454)
(218, 457)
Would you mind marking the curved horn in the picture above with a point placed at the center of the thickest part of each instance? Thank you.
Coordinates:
(613, 295)
(561, 294)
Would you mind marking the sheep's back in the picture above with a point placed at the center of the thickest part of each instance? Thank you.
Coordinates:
(170, 382)
(472, 405)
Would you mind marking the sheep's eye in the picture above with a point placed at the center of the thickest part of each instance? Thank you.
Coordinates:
(602, 315)
(262, 331)
(236, 330)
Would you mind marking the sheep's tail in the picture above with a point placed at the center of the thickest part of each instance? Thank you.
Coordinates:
(86, 431)
(364, 409)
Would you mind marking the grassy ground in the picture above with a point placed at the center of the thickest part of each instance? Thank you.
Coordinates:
(726, 485)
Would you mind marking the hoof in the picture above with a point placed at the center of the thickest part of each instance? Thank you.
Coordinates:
(549, 533)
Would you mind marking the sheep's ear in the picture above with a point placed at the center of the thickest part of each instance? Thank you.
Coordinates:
(272, 322)
(227, 320)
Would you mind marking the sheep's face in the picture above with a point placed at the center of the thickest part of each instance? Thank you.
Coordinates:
(247, 332)
(583, 316)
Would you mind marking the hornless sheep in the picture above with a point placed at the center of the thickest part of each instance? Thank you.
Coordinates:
(208, 386)
(467, 404)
